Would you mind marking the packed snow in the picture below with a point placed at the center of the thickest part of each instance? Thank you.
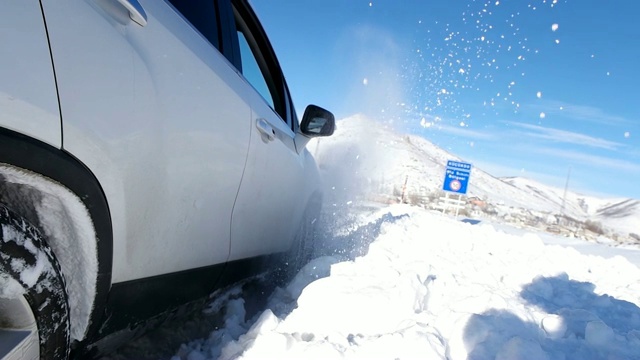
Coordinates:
(395, 281)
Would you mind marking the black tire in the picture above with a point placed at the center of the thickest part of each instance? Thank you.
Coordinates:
(21, 242)
(302, 250)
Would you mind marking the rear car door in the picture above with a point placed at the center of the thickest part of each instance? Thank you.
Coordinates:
(269, 205)
(158, 113)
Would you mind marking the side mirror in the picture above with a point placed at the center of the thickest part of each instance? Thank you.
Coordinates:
(317, 121)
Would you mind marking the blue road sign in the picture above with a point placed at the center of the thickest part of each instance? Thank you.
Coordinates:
(456, 177)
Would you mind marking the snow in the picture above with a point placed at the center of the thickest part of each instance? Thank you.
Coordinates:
(70, 234)
(9, 288)
(393, 281)
(435, 288)
(30, 272)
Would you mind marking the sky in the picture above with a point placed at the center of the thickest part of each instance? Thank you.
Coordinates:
(544, 89)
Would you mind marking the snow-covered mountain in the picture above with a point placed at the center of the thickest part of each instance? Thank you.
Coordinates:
(620, 214)
(388, 165)
(623, 215)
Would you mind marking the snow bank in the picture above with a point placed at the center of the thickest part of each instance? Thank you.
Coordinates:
(435, 288)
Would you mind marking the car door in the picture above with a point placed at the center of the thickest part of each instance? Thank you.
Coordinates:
(156, 111)
(269, 204)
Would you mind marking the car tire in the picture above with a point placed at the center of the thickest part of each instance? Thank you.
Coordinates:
(304, 244)
(38, 303)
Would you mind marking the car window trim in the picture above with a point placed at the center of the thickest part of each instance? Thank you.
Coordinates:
(228, 44)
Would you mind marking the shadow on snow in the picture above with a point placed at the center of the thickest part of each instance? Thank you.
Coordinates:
(581, 325)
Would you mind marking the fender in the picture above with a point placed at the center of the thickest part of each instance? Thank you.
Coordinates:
(27, 153)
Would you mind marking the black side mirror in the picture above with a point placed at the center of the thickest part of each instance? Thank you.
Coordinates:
(317, 121)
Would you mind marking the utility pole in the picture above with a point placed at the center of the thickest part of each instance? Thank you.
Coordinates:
(564, 197)
(404, 188)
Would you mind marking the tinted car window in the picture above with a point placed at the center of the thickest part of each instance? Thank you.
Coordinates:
(251, 70)
(202, 15)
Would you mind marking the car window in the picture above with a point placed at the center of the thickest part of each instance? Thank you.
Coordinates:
(257, 62)
(251, 70)
(202, 16)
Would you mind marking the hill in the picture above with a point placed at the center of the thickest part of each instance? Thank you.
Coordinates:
(368, 160)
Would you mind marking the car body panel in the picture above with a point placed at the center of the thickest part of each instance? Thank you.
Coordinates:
(270, 200)
(272, 195)
(28, 99)
(170, 180)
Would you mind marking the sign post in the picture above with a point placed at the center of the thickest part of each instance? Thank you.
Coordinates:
(456, 177)
(456, 180)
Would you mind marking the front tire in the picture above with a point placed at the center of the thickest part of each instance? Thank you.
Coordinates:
(33, 300)
(304, 244)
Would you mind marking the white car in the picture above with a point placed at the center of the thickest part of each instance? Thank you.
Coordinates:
(150, 153)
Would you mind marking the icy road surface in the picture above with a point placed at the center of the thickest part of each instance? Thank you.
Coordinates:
(405, 283)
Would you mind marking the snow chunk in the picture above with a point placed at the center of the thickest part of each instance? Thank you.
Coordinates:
(425, 124)
(522, 349)
(314, 270)
(597, 333)
(9, 288)
(554, 326)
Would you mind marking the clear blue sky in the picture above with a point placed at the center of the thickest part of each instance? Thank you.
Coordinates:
(519, 88)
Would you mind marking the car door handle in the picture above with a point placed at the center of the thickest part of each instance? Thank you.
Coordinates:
(136, 12)
(266, 130)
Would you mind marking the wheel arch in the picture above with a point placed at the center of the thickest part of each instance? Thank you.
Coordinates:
(57, 168)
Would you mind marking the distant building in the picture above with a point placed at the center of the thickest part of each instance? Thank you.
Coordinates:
(476, 201)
